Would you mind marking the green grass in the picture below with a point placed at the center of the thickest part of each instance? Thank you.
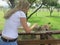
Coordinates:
(1, 20)
(42, 17)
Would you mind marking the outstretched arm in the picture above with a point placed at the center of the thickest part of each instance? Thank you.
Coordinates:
(25, 25)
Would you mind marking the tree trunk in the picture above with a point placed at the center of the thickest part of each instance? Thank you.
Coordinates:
(34, 11)
(51, 11)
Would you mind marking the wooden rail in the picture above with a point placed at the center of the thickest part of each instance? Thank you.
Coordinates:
(39, 33)
(38, 42)
(22, 42)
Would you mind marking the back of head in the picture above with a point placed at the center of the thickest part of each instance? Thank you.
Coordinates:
(20, 6)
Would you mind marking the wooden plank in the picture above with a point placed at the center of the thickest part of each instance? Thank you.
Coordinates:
(57, 41)
(41, 32)
(37, 42)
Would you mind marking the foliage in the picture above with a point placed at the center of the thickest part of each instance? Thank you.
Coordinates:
(57, 6)
(50, 2)
(31, 1)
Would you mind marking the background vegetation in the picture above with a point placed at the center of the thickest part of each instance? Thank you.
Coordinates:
(43, 11)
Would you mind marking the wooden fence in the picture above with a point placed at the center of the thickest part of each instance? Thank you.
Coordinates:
(39, 42)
